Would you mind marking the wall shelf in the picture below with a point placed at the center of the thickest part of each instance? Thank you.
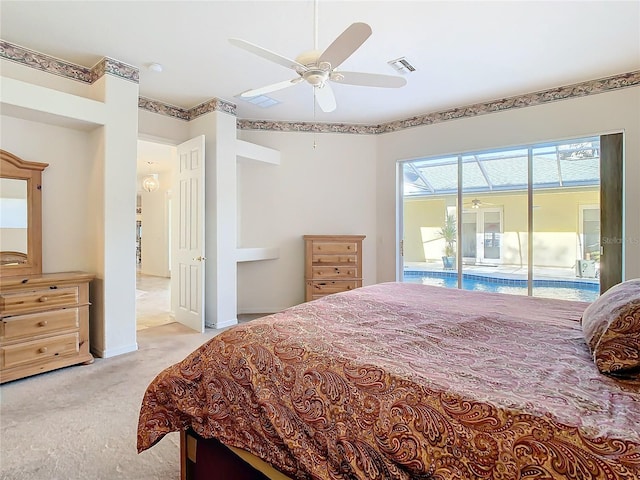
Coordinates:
(256, 153)
(255, 254)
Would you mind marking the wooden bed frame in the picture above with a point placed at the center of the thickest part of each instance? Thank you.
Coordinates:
(208, 459)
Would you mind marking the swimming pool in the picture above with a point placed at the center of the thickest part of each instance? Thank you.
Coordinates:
(563, 289)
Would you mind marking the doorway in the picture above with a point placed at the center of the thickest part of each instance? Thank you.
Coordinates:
(481, 236)
(153, 226)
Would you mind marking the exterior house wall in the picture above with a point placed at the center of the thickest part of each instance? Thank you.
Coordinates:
(555, 216)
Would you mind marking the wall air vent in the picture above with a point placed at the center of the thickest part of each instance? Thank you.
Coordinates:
(402, 65)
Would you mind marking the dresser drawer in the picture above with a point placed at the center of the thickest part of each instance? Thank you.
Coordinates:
(320, 288)
(346, 272)
(37, 300)
(328, 248)
(334, 259)
(44, 323)
(39, 350)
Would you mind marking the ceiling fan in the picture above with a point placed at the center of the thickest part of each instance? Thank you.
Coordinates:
(477, 203)
(318, 69)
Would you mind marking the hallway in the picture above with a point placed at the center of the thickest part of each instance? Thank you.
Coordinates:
(153, 301)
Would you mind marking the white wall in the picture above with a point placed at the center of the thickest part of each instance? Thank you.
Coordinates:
(152, 126)
(616, 111)
(329, 190)
(155, 229)
(65, 210)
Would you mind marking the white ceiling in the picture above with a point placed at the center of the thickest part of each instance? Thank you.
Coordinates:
(464, 52)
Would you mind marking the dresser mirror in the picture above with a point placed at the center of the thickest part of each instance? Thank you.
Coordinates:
(20, 215)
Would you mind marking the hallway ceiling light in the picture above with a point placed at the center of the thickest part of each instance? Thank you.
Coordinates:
(150, 183)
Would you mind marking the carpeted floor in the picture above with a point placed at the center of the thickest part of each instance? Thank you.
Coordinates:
(80, 422)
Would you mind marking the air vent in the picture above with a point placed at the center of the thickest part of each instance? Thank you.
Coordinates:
(259, 100)
(402, 65)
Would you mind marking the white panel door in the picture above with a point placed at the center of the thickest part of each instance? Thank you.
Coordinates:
(187, 251)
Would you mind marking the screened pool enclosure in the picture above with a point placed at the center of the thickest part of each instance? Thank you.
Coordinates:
(526, 217)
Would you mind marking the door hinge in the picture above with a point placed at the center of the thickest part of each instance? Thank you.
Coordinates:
(402, 248)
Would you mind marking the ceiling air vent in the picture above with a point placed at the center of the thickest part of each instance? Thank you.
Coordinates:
(402, 65)
(259, 100)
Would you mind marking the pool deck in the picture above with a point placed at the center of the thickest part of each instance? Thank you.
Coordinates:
(505, 272)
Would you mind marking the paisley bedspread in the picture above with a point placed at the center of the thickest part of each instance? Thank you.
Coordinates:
(406, 381)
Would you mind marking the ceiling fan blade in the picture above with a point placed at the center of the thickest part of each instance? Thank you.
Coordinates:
(267, 54)
(325, 98)
(270, 88)
(369, 79)
(347, 43)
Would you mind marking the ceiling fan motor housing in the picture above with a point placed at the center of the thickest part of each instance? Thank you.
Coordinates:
(315, 77)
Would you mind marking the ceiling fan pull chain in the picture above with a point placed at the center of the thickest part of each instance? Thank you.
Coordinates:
(313, 126)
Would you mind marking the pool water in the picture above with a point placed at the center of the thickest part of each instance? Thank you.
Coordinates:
(565, 290)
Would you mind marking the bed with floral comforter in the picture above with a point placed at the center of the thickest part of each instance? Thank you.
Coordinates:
(406, 381)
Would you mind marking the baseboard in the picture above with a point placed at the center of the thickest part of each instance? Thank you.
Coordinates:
(114, 351)
(262, 310)
(227, 323)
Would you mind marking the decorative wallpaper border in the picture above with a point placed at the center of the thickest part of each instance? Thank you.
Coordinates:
(156, 106)
(210, 106)
(582, 89)
(44, 62)
(115, 68)
(110, 66)
(576, 90)
(55, 66)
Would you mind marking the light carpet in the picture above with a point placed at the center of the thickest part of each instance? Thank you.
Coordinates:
(80, 422)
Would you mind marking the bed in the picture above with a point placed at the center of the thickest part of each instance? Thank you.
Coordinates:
(407, 381)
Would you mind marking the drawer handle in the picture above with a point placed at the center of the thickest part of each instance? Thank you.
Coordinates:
(43, 299)
(42, 350)
(43, 323)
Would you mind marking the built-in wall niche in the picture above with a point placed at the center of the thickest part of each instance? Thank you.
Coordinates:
(247, 152)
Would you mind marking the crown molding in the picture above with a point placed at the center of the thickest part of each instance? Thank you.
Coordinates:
(110, 66)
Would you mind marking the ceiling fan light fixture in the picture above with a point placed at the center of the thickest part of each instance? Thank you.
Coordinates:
(316, 77)
(318, 70)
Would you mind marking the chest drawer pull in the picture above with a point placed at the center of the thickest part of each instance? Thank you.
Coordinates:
(43, 323)
(42, 350)
(43, 299)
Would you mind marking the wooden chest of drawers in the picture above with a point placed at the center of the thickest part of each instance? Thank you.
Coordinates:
(333, 264)
(44, 323)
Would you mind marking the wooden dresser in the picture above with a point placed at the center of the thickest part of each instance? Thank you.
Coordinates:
(333, 264)
(45, 323)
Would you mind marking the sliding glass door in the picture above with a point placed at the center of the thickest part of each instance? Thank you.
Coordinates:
(522, 220)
